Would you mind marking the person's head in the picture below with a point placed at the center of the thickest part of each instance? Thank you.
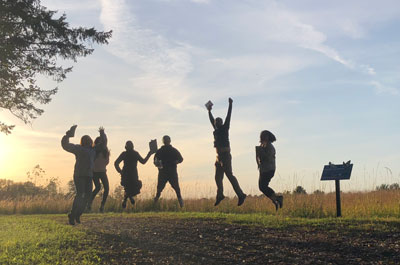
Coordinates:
(128, 145)
(219, 122)
(103, 149)
(166, 140)
(86, 141)
(267, 136)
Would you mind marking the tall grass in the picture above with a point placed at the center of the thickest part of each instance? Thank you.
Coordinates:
(384, 203)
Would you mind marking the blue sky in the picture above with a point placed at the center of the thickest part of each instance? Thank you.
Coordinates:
(323, 76)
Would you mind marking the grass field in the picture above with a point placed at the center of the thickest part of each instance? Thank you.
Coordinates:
(197, 238)
(384, 203)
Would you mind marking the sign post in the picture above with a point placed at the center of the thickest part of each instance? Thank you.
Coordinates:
(336, 173)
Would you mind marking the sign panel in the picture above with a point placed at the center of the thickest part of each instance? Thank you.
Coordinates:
(337, 172)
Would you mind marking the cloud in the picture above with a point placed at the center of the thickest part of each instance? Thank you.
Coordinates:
(380, 88)
(275, 23)
(159, 65)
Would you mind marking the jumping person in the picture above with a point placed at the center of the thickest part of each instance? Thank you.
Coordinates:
(166, 159)
(265, 156)
(129, 173)
(85, 154)
(224, 158)
(100, 173)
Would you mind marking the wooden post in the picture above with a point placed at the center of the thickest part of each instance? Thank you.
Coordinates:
(338, 204)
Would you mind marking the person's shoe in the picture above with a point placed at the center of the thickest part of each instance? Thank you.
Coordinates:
(279, 200)
(276, 204)
(78, 219)
(180, 200)
(219, 199)
(101, 208)
(241, 199)
(71, 219)
(124, 204)
(156, 199)
(89, 208)
(132, 200)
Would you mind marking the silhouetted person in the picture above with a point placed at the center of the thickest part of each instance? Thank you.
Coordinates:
(129, 173)
(224, 158)
(85, 154)
(100, 173)
(265, 156)
(166, 159)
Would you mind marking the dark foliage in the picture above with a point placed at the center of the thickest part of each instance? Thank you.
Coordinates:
(32, 39)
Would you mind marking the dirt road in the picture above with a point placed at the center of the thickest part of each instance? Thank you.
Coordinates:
(153, 240)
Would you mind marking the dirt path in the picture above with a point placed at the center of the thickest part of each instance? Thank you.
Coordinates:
(144, 240)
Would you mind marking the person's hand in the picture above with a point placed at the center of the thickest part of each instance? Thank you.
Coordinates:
(71, 131)
(230, 100)
(101, 129)
(209, 107)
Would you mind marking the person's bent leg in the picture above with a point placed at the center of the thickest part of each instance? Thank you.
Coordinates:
(80, 190)
(162, 181)
(263, 184)
(219, 176)
(106, 187)
(87, 194)
(227, 168)
(97, 187)
(173, 180)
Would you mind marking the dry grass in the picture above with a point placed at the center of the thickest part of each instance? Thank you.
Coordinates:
(357, 204)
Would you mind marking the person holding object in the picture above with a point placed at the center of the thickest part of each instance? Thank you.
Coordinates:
(129, 173)
(224, 158)
(265, 157)
(100, 173)
(166, 160)
(85, 153)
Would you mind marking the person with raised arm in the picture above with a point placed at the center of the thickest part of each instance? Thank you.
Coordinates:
(166, 159)
(265, 157)
(223, 165)
(129, 173)
(100, 173)
(85, 153)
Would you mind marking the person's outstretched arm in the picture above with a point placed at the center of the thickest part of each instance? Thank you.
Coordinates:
(117, 162)
(228, 116)
(258, 156)
(104, 140)
(144, 160)
(66, 145)
(179, 157)
(211, 117)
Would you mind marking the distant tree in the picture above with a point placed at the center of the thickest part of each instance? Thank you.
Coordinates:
(37, 173)
(31, 41)
(71, 189)
(318, 192)
(383, 187)
(394, 186)
(299, 190)
(118, 192)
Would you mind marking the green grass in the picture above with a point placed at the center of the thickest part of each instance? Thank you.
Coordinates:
(43, 239)
(38, 240)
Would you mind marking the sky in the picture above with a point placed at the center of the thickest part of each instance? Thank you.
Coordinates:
(323, 76)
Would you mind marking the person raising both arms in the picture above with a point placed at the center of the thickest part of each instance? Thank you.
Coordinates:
(166, 159)
(129, 173)
(224, 157)
(85, 154)
(265, 157)
(100, 173)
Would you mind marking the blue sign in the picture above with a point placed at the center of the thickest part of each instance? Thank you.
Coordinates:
(337, 172)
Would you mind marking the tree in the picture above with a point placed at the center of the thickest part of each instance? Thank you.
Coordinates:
(31, 41)
(299, 190)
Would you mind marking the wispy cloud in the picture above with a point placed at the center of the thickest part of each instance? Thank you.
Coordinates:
(381, 88)
(159, 65)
